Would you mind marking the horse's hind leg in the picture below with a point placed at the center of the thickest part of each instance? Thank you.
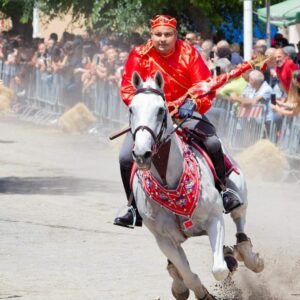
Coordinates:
(243, 249)
(177, 256)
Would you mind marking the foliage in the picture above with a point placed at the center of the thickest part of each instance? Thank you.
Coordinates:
(124, 16)
(13, 8)
(118, 17)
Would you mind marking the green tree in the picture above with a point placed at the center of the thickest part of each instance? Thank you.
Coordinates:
(121, 17)
(17, 11)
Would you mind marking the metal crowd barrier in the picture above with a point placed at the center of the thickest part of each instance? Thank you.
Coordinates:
(289, 140)
(41, 99)
(242, 128)
(238, 127)
(246, 126)
(103, 99)
(8, 72)
(219, 115)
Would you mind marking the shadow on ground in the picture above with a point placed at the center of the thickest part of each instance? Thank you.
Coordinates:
(6, 142)
(55, 185)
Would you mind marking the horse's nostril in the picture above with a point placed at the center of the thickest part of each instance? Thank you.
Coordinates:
(148, 155)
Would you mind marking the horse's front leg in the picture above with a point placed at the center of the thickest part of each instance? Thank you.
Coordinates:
(177, 256)
(179, 289)
(216, 233)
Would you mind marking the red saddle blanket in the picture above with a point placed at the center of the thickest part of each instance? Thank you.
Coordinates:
(182, 200)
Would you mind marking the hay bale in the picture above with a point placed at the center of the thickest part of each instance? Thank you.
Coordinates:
(263, 161)
(6, 98)
(76, 119)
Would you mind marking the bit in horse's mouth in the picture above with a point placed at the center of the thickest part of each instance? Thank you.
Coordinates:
(144, 168)
(143, 163)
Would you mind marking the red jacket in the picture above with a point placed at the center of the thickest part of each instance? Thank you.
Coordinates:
(284, 73)
(181, 70)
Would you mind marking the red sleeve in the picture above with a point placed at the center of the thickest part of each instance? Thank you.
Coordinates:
(200, 73)
(127, 89)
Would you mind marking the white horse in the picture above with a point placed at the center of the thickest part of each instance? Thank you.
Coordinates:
(151, 126)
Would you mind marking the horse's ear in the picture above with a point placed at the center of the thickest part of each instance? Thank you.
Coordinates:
(159, 80)
(136, 79)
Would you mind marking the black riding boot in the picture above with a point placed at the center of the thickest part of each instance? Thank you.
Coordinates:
(128, 219)
(231, 199)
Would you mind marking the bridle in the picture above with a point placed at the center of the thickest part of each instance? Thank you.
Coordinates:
(157, 138)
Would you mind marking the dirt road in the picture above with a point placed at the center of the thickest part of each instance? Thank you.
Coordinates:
(59, 194)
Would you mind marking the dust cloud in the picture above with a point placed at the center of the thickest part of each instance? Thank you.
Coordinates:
(273, 225)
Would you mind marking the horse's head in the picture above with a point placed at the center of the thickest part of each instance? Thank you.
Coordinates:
(148, 118)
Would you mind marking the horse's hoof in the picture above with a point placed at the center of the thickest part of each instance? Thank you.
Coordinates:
(231, 262)
(230, 259)
(181, 296)
(207, 295)
(221, 273)
(251, 259)
(257, 266)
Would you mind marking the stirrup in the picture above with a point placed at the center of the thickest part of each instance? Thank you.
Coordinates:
(235, 198)
(121, 211)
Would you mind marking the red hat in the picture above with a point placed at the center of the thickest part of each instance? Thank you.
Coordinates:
(163, 20)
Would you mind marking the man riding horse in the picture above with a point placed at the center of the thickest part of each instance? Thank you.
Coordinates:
(182, 68)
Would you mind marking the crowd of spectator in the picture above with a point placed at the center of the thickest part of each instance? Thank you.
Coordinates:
(276, 88)
(82, 59)
(85, 59)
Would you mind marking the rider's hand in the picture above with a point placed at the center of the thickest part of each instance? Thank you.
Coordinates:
(187, 109)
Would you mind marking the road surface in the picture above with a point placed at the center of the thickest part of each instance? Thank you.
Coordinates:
(59, 194)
